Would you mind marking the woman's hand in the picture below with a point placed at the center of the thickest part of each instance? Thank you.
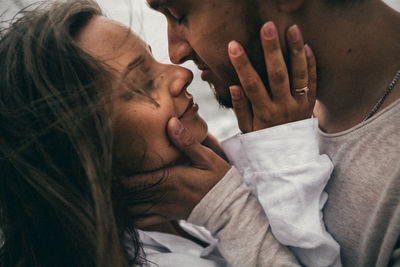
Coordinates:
(175, 191)
(291, 99)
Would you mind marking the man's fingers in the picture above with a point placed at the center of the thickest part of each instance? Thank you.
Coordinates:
(312, 75)
(242, 109)
(212, 143)
(145, 182)
(298, 66)
(150, 220)
(251, 83)
(198, 154)
(141, 209)
(278, 77)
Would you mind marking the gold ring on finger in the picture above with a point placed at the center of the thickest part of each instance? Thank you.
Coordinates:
(302, 91)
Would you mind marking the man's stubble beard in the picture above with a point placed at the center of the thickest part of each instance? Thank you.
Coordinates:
(222, 95)
(253, 49)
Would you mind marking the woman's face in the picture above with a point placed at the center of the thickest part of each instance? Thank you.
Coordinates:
(141, 141)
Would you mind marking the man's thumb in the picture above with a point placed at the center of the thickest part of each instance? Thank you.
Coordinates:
(180, 135)
(184, 140)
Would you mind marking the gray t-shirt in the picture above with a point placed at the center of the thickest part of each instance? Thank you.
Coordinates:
(363, 210)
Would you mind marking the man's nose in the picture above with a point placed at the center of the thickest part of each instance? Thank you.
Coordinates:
(179, 48)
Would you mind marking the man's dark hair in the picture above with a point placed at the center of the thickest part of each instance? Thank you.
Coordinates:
(344, 2)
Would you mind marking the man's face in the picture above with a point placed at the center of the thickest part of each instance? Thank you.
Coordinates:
(200, 30)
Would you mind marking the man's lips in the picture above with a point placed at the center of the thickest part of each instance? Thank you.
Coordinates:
(205, 75)
(205, 72)
(191, 109)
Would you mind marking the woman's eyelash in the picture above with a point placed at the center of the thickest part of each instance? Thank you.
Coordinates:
(134, 64)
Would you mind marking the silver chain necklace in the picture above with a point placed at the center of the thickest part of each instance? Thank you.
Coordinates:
(382, 99)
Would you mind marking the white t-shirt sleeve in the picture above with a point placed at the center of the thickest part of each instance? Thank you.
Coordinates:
(283, 168)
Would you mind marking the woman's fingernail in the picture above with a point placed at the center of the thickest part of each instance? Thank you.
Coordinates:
(294, 33)
(235, 49)
(236, 92)
(309, 52)
(269, 30)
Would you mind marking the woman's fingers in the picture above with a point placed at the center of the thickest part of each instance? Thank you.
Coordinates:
(242, 109)
(276, 67)
(250, 80)
(298, 64)
(312, 75)
(292, 97)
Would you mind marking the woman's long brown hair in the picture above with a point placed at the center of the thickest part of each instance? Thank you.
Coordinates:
(56, 177)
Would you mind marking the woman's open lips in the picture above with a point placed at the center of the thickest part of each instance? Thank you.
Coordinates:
(191, 109)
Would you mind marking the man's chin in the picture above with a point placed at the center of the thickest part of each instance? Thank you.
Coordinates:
(222, 95)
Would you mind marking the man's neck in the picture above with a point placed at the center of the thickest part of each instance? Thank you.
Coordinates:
(357, 55)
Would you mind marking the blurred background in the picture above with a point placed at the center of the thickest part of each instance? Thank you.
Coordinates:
(151, 26)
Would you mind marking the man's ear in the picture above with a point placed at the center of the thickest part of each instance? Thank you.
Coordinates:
(289, 6)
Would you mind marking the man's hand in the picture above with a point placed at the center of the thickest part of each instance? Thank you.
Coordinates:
(212, 143)
(175, 191)
(255, 109)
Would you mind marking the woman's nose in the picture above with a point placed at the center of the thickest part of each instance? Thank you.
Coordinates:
(180, 80)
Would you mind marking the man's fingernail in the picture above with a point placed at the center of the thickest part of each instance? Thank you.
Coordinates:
(235, 49)
(269, 30)
(294, 33)
(236, 92)
(178, 127)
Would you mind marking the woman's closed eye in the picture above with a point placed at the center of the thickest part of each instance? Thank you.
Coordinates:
(134, 64)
